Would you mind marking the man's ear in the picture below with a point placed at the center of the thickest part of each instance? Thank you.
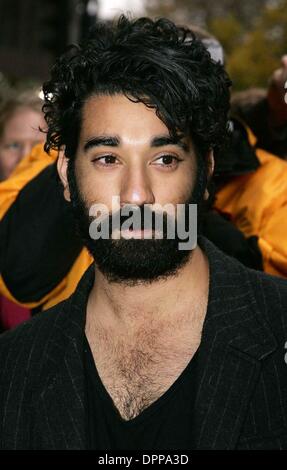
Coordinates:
(62, 167)
(210, 170)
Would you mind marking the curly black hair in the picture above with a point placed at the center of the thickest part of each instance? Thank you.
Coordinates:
(150, 61)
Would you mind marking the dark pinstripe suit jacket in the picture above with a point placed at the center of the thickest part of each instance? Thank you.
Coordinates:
(242, 386)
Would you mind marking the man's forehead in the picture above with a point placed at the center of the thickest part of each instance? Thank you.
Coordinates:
(116, 100)
(117, 116)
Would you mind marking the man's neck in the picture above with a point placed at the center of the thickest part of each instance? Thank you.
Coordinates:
(127, 309)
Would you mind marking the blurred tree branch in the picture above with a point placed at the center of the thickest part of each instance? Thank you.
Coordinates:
(252, 32)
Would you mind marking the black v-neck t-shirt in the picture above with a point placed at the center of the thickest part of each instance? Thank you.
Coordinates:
(167, 424)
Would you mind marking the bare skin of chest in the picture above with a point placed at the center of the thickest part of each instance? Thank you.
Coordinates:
(137, 371)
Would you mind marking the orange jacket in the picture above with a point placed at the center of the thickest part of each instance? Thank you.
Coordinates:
(257, 204)
(27, 169)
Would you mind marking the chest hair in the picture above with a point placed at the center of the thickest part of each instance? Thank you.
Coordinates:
(137, 371)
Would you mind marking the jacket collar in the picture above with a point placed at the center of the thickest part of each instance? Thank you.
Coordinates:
(235, 340)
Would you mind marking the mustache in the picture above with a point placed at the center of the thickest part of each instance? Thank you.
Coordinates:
(143, 218)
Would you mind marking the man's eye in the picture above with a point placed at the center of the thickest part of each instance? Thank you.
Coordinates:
(106, 160)
(167, 160)
(13, 146)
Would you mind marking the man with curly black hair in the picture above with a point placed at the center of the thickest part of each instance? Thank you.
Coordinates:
(160, 347)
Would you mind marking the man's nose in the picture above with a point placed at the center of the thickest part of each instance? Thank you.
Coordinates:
(136, 188)
(25, 150)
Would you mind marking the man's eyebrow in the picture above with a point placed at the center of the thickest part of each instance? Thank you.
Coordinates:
(160, 141)
(106, 140)
(114, 141)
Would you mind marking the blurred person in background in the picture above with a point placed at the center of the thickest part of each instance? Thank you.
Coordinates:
(21, 118)
(251, 189)
(265, 112)
(249, 214)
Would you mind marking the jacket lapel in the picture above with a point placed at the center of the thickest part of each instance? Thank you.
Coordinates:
(235, 341)
(59, 403)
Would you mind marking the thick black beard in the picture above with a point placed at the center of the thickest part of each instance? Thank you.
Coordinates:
(136, 261)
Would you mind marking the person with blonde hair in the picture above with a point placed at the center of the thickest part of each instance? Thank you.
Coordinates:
(20, 121)
(21, 118)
